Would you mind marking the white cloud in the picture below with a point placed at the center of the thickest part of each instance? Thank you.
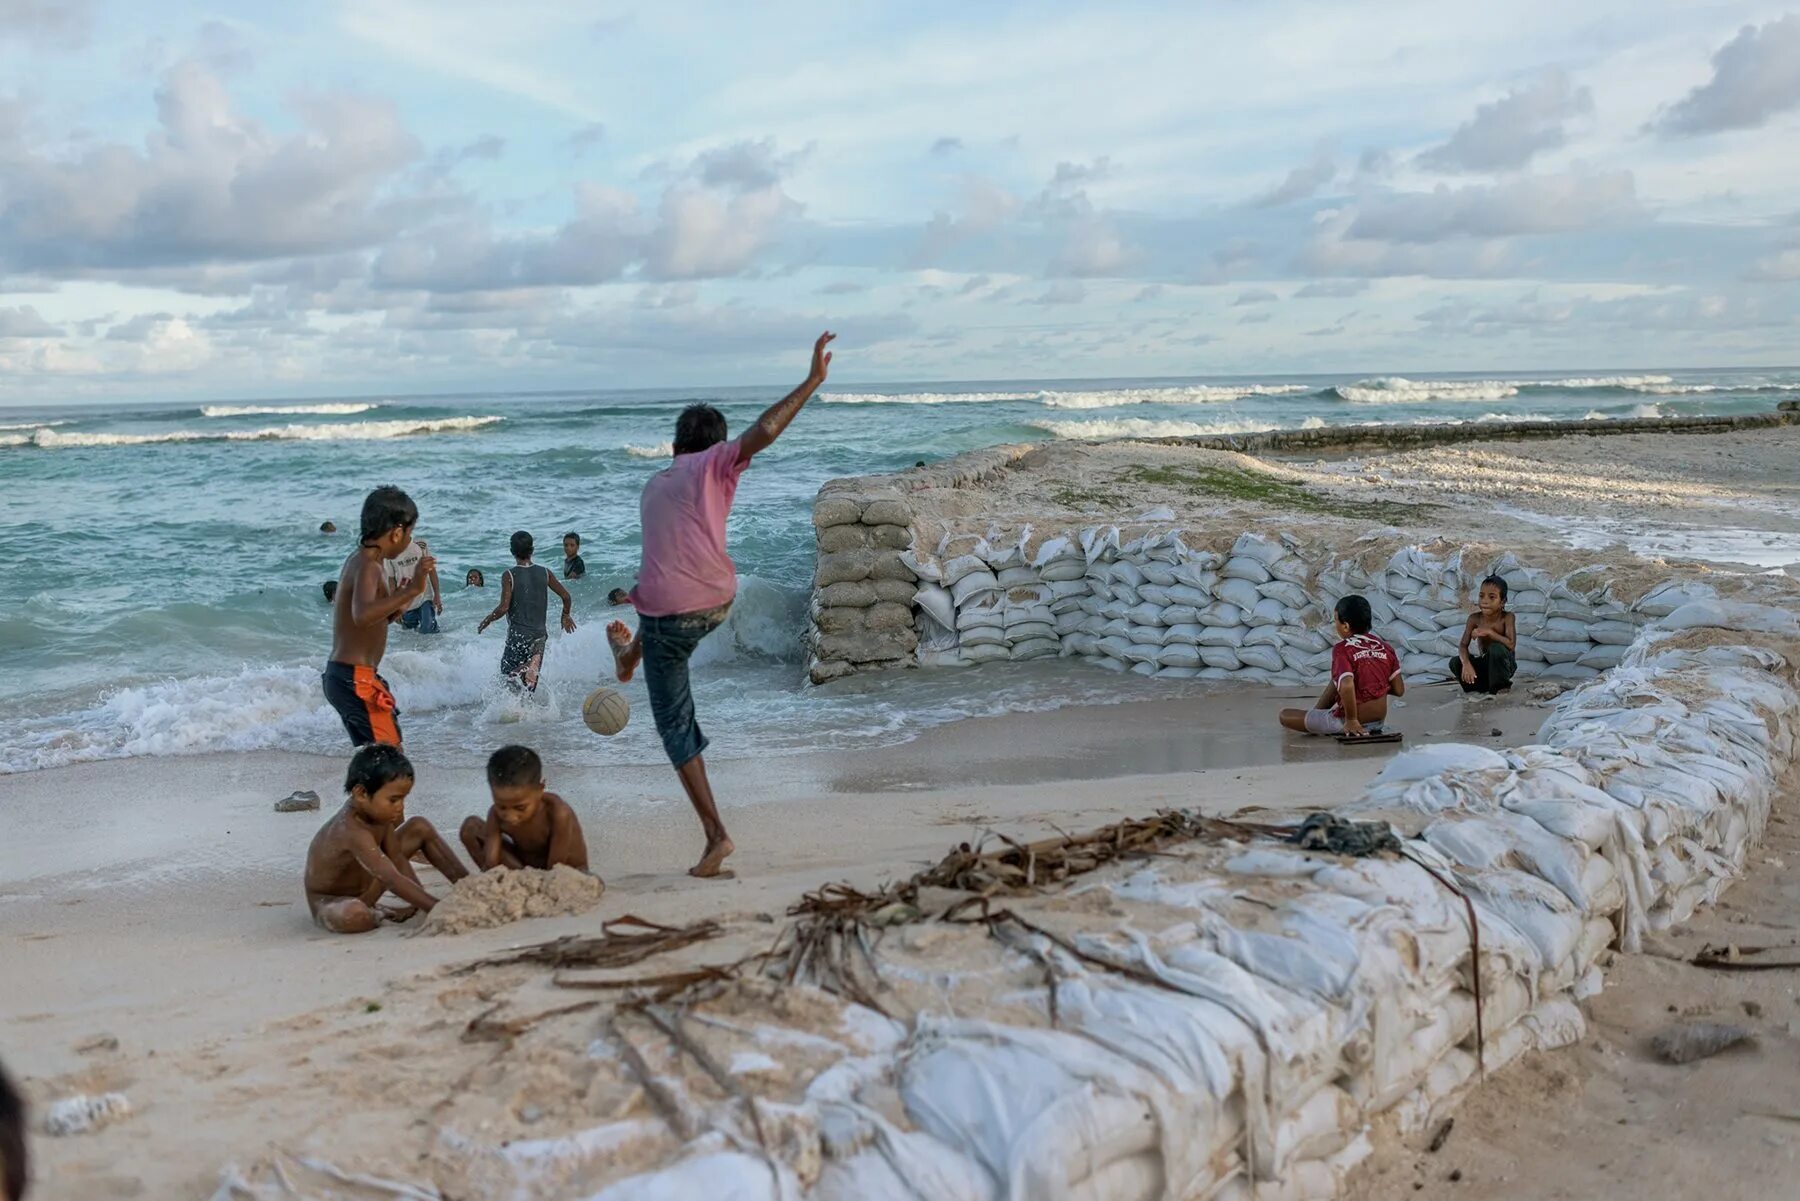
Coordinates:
(1301, 182)
(1533, 204)
(1780, 267)
(1255, 296)
(23, 321)
(1755, 76)
(62, 24)
(1505, 134)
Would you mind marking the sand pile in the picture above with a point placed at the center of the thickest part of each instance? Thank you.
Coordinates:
(503, 895)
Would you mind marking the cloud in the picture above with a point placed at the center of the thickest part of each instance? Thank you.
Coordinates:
(985, 206)
(23, 321)
(1534, 204)
(1255, 318)
(1148, 292)
(1375, 162)
(841, 287)
(60, 24)
(1254, 296)
(1666, 311)
(703, 233)
(1334, 289)
(974, 284)
(747, 165)
(944, 146)
(1504, 135)
(1301, 182)
(210, 185)
(585, 138)
(1755, 76)
(1065, 291)
(1780, 267)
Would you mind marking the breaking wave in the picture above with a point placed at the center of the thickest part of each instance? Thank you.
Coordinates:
(1143, 427)
(1197, 394)
(45, 438)
(662, 450)
(324, 410)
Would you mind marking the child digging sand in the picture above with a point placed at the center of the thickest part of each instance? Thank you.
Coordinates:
(366, 849)
(1491, 666)
(526, 827)
(1364, 672)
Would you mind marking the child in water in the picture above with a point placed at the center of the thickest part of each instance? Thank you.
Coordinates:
(526, 826)
(1365, 671)
(366, 849)
(1490, 666)
(524, 601)
(362, 607)
(573, 565)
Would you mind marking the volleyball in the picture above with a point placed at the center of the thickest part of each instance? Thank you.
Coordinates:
(605, 711)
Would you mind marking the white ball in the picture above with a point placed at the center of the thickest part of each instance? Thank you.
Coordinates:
(606, 711)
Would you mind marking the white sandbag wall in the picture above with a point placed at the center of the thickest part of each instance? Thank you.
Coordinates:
(1271, 1002)
(1256, 608)
(863, 584)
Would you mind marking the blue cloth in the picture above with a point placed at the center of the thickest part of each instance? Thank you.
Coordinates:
(422, 619)
(669, 642)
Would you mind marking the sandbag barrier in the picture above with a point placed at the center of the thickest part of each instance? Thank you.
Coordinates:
(1230, 1022)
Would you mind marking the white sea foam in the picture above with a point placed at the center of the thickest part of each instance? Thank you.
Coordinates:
(328, 410)
(1640, 382)
(1143, 427)
(1396, 389)
(46, 438)
(32, 425)
(922, 398)
(1114, 398)
(1651, 409)
(662, 450)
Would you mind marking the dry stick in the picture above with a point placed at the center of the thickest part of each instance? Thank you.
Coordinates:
(480, 1029)
(670, 1024)
(665, 1101)
(1474, 957)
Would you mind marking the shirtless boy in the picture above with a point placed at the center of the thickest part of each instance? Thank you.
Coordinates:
(366, 849)
(360, 615)
(526, 827)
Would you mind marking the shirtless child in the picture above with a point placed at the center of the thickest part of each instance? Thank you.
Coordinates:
(366, 849)
(361, 611)
(526, 827)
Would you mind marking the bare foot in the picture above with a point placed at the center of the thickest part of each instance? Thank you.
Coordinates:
(626, 652)
(716, 853)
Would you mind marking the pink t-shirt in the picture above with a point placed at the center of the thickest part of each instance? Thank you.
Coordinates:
(685, 568)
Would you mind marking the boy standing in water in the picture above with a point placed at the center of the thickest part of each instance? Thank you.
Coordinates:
(524, 601)
(1489, 667)
(686, 581)
(361, 611)
(366, 849)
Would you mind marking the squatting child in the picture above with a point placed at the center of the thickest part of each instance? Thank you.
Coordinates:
(527, 826)
(366, 849)
(1365, 671)
(1489, 667)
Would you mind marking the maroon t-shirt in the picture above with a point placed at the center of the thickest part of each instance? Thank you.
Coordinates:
(1369, 660)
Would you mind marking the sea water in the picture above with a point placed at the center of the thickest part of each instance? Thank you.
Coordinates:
(160, 566)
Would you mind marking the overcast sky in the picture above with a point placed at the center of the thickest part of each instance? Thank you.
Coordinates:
(243, 199)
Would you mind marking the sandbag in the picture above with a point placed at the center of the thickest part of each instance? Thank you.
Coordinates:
(1241, 593)
(1255, 546)
(1243, 567)
(972, 584)
(1265, 657)
(1221, 613)
(1266, 612)
(1231, 636)
(1290, 594)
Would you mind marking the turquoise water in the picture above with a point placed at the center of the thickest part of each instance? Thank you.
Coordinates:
(160, 566)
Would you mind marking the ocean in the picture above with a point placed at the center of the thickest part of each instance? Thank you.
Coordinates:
(160, 564)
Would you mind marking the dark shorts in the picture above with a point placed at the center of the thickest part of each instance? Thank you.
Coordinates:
(669, 642)
(521, 659)
(362, 700)
(423, 619)
(1494, 669)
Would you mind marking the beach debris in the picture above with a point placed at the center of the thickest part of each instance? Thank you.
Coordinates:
(298, 801)
(1548, 690)
(1441, 1137)
(622, 942)
(286, 1176)
(94, 1044)
(1733, 958)
(1753, 1009)
(486, 1028)
(84, 1114)
(1685, 1042)
(503, 895)
(1328, 832)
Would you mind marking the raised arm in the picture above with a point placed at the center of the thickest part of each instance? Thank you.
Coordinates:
(763, 432)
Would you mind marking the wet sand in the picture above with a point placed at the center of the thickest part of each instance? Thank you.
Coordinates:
(158, 901)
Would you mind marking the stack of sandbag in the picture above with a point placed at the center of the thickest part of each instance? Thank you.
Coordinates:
(863, 586)
(1227, 1023)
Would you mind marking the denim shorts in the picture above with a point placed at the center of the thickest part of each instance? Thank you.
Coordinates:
(423, 619)
(669, 642)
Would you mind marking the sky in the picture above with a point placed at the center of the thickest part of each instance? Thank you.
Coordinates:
(262, 199)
